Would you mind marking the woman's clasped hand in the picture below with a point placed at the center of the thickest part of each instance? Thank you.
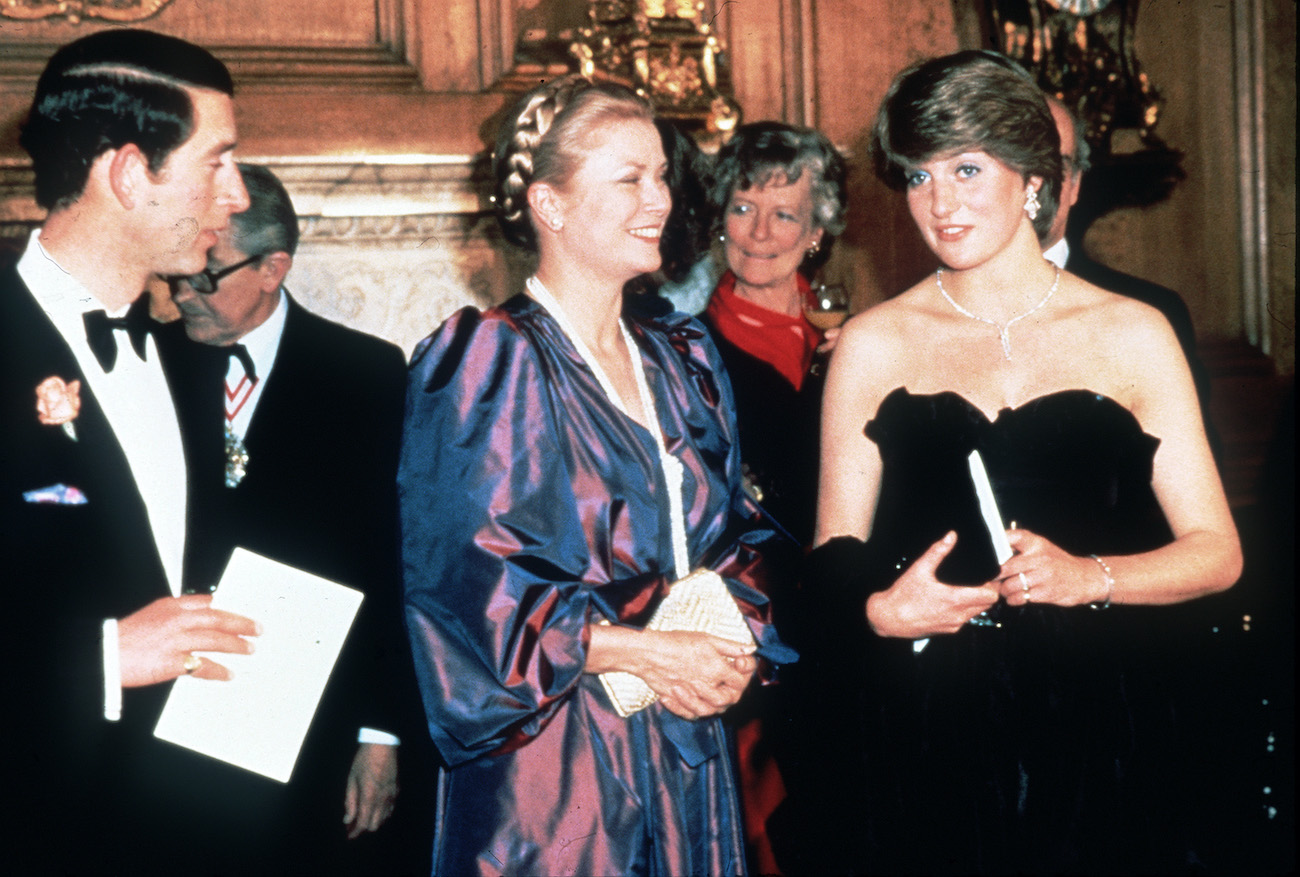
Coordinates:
(918, 605)
(1042, 572)
(694, 674)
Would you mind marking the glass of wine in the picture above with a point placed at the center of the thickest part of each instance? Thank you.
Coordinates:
(830, 306)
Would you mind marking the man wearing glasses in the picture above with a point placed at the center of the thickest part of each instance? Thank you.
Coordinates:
(312, 421)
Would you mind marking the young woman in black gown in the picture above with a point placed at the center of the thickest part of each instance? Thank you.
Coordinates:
(998, 717)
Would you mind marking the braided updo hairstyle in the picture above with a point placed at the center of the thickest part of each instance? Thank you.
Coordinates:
(542, 140)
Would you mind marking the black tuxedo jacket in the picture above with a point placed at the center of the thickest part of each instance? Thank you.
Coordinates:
(320, 494)
(1168, 303)
(90, 795)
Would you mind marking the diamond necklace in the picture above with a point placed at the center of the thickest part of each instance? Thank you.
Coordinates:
(1001, 327)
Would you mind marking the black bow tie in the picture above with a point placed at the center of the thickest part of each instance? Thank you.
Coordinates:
(240, 352)
(100, 326)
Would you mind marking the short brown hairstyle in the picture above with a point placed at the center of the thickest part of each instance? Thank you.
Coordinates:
(975, 99)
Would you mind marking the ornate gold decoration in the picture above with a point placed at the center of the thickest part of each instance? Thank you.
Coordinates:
(1079, 7)
(665, 50)
(75, 10)
(1082, 52)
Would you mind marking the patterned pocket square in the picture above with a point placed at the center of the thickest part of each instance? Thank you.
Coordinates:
(58, 494)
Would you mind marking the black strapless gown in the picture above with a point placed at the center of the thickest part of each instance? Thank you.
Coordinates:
(1033, 746)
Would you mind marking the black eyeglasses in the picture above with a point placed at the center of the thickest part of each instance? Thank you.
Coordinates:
(206, 280)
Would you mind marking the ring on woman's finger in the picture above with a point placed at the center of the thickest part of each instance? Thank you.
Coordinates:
(1024, 587)
(192, 663)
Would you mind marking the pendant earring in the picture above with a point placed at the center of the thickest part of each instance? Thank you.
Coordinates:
(813, 250)
(1032, 204)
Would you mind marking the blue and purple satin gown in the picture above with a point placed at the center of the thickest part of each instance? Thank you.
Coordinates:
(531, 509)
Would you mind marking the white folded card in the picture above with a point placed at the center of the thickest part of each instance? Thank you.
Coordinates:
(259, 718)
(992, 521)
(989, 507)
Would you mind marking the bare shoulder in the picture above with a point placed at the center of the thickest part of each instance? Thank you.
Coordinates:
(874, 354)
(1128, 323)
(1114, 308)
(1125, 347)
(885, 326)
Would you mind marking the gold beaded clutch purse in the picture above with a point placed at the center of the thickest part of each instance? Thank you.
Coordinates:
(698, 602)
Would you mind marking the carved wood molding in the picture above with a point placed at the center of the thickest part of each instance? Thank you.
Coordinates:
(374, 186)
(75, 10)
(409, 49)
(419, 229)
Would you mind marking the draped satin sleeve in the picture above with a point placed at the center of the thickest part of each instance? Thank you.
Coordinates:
(496, 613)
(531, 509)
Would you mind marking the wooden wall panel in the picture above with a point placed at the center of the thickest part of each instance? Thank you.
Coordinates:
(452, 48)
(1192, 241)
(860, 46)
(354, 23)
(1279, 99)
(757, 37)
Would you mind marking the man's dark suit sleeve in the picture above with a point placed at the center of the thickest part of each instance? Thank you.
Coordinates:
(66, 568)
(320, 494)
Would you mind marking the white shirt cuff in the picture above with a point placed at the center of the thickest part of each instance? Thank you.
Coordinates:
(112, 672)
(370, 735)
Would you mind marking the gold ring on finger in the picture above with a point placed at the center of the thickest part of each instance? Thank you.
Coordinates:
(192, 663)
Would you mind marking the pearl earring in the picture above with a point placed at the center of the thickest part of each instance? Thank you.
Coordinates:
(1032, 205)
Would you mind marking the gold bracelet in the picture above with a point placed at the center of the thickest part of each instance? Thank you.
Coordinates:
(1110, 583)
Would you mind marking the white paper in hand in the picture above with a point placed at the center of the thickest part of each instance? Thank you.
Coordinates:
(989, 508)
(258, 719)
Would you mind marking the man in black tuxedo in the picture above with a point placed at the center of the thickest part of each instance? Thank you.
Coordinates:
(1071, 257)
(312, 421)
(131, 136)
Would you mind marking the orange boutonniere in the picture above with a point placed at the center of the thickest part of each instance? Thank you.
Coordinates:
(58, 404)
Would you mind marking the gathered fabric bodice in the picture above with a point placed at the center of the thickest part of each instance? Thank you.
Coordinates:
(1073, 466)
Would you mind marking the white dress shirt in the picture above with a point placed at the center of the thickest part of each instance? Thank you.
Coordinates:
(262, 344)
(1058, 253)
